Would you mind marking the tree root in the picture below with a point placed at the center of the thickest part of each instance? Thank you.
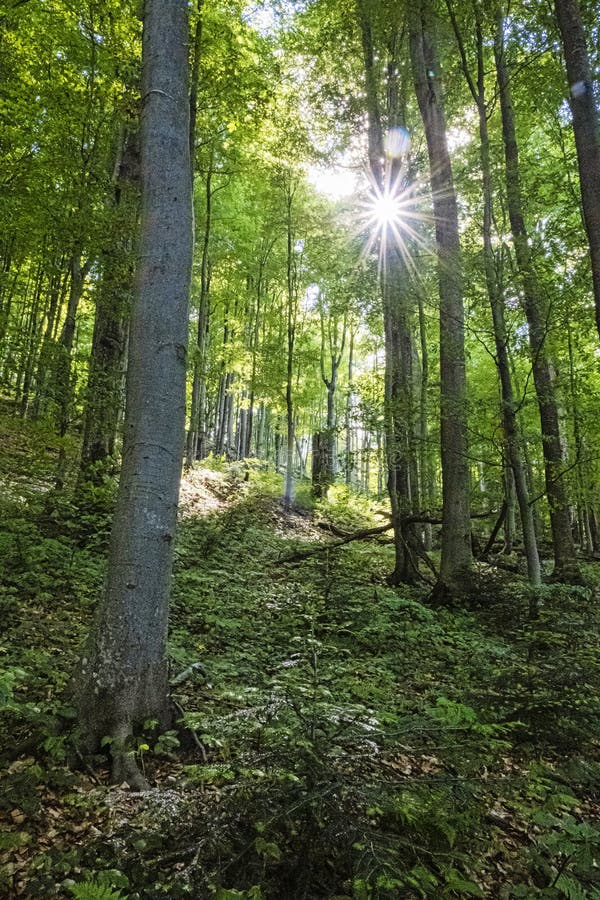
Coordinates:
(125, 769)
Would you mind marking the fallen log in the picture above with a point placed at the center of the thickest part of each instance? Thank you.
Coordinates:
(367, 533)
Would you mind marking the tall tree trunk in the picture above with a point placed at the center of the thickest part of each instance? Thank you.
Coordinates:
(396, 306)
(333, 347)
(32, 341)
(266, 249)
(426, 493)
(196, 437)
(585, 127)
(517, 483)
(579, 442)
(349, 461)
(58, 288)
(291, 340)
(123, 678)
(5, 309)
(194, 82)
(399, 411)
(456, 558)
(536, 310)
(64, 362)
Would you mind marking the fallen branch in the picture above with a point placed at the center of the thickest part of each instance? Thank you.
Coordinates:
(333, 529)
(366, 533)
(323, 548)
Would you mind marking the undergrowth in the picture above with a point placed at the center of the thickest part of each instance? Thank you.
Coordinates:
(338, 739)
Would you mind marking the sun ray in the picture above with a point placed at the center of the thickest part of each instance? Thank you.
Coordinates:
(394, 212)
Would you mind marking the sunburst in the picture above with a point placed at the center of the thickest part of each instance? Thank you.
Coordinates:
(394, 209)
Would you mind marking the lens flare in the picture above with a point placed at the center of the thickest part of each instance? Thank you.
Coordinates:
(391, 216)
(386, 209)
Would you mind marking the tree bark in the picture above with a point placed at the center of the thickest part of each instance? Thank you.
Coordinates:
(349, 462)
(123, 675)
(456, 560)
(537, 313)
(396, 296)
(196, 437)
(585, 127)
(330, 346)
(64, 369)
(512, 438)
(292, 304)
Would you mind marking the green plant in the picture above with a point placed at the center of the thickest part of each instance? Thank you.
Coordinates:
(565, 855)
(95, 890)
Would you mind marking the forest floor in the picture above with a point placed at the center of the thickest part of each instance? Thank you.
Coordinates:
(340, 739)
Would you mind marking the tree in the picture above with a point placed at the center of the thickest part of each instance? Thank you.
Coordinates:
(289, 184)
(538, 315)
(456, 528)
(586, 128)
(389, 180)
(103, 405)
(512, 436)
(123, 678)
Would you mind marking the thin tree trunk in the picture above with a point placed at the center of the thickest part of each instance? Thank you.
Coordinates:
(64, 369)
(537, 313)
(425, 464)
(58, 288)
(517, 482)
(456, 560)
(196, 437)
(335, 353)
(349, 467)
(30, 350)
(113, 308)
(398, 397)
(291, 339)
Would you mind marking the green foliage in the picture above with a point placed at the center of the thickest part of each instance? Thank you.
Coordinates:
(550, 681)
(101, 887)
(354, 739)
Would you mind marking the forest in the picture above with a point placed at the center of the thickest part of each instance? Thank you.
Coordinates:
(299, 466)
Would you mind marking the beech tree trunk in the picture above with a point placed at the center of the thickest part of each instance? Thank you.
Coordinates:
(58, 287)
(123, 679)
(457, 557)
(321, 472)
(585, 127)
(292, 314)
(349, 462)
(196, 437)
(515, 483)
(332, 346)
(536, 310)
(64, 370)
(397, 297)
(426, 483)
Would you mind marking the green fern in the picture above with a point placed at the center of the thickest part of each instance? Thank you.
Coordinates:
(92, 890)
